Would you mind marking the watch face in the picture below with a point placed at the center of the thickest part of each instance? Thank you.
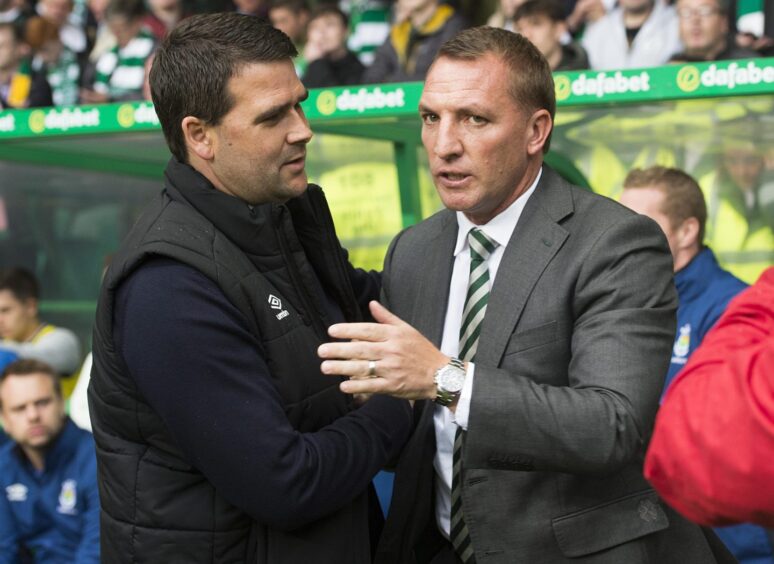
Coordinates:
(451, 379)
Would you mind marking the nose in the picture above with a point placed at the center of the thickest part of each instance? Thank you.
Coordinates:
(32, 412)
(447, 144)
(300, 132)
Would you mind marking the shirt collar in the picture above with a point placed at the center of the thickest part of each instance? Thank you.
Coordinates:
(500, 227)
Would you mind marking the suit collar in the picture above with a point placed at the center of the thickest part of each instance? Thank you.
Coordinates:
(535, 241)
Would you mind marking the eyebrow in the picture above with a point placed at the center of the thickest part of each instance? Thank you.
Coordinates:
(465, 110)
(279, 108)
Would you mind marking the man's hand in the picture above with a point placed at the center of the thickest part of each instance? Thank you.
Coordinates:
(404, 361)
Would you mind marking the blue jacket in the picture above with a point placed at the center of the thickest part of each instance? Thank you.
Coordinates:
(704, 290)
(53, 514)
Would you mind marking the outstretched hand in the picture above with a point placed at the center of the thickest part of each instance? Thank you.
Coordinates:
(403, 360)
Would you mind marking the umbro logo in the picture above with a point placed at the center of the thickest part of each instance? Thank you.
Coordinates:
(276, 303)
(16, 492)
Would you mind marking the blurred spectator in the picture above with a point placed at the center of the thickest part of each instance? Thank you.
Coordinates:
(71, 32)
(369, 26)
(146, 92)
(408, 52)
(18, 87)
(15, 12)
(542, 22)
(704, 32)
(163, 15)
(330, 63)
(710, 455)
(638, 33)
(503, 17)
(49, 512)
(22, 331)
(104, 39)
(58, 65)
(586, 12)
(675, 201)
(291, 18)
(121, 71)
(257, 8)
(740, 220)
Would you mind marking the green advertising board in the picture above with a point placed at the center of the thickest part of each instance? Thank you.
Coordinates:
(398, 102)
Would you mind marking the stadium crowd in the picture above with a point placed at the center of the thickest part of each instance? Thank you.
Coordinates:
(62, 52)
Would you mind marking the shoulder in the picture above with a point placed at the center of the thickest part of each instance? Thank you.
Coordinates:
(723, 287)
(59, 334)
(579, 210)
(7, 458)
(167, 283)
(426, 230)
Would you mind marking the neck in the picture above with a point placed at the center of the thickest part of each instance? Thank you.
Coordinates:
(36, 456)
(635, 18)
(421, 16)
(31, 330)
(554, 57)
(338, 54)
(684, 257)
(711, 52)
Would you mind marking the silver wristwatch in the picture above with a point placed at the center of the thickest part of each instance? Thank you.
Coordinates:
(448, 382)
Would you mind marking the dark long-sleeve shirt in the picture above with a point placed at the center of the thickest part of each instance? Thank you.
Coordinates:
(197, 364)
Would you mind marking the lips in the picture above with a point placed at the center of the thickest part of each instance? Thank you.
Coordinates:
(452, 178)
(299, 159)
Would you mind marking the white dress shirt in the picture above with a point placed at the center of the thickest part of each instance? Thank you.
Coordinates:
(500, 229)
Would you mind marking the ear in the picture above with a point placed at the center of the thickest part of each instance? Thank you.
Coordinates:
(688, 234)
(538, 129)
(560, 29)
(199, 137)
(31, 305)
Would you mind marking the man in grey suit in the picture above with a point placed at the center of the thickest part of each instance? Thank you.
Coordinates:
(539, 317)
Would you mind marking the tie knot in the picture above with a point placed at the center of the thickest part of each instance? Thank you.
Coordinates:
(481, 246)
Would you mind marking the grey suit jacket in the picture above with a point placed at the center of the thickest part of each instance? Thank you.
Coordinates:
(570, 365)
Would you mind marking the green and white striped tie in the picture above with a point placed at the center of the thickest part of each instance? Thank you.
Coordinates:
(472, 317)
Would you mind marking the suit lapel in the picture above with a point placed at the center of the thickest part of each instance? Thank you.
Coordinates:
(430, 313)
(535, 241)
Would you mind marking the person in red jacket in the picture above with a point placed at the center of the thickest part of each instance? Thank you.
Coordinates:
(711, 451)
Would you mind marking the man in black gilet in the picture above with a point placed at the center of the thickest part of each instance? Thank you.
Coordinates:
(218, 438)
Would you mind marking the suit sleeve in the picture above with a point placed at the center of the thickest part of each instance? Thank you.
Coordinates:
(710, 457)
(622, 312)
(195, 361)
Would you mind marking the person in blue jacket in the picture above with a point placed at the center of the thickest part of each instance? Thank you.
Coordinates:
(674, 200)
(49, 503)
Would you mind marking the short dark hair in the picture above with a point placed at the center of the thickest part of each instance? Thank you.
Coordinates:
(193, 65)
(531, 82)
(329, 10)
(683, 197)
(548, 8)
(129, 9)
(27, 366)
(20, 282)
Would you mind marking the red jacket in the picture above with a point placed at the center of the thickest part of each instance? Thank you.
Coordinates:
(712, 452)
